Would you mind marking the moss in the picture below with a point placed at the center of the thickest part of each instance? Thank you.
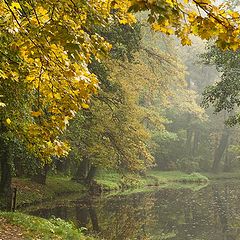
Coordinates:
(38, 228)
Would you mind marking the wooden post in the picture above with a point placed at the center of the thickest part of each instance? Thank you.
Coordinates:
(14, 199)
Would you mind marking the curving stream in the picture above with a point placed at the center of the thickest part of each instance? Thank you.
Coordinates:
(211, 213)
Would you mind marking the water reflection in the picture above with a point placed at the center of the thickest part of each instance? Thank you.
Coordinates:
(211, 213)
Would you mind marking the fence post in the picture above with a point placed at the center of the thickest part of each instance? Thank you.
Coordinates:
(14, 199)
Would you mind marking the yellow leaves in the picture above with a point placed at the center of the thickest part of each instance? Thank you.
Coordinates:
(57, 96)
(36, 114)
(3, 74)
(8, 121)
(41, 11)
(234, 14)
(163, 28)
(42, 14)
(84, 105)
(235, 46)
(2, 104)
(191, 17)
(128, 18)
(156, 26)
(186, 41)
(15, 5)
(30, 78)
(170, 2)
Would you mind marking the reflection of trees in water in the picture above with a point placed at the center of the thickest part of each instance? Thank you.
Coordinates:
(126, 217)
(86, 215)
(224, 210)
(212, 213)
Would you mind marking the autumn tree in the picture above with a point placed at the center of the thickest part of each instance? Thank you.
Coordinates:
(46, 47)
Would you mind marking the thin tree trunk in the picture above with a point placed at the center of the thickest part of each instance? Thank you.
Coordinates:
(6, 175)
(188, 143)
(220, 149)
(91, 174)
(195, 143)
(82, 170)
(41, 175)
(94, 218)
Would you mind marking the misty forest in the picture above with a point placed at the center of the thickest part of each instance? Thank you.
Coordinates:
(119, 119)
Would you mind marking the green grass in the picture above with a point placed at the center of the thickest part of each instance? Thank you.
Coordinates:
(176, 176)
(109, 181)
(30, 192)
(38, 228)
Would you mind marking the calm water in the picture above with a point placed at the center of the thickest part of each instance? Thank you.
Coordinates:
(212, 213)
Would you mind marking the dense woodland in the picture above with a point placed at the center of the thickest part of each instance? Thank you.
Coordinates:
(92, 85)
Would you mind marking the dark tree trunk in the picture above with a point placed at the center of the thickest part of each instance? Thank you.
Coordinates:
(91, 174)
(94, 219)
(220, 149)
(6, 175)
(41, 175)
(82, 170)
(62, 165)
(81, 216)
(228, 158)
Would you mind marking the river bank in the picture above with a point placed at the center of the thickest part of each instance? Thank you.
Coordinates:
(19, 226)
(29, 193)
(110, 181)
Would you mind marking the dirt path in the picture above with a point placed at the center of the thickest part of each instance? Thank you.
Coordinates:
(9, 231)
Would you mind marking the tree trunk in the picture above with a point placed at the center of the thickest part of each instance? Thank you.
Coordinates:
(82, 170)
(62, 165)
(91, 174)
(195, 143)
(188, 143)
(6, 175)
(94, 218)
(220, 149)
(228, 158)
(41, 175)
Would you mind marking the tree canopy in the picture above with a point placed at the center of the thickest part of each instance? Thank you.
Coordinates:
(47, 46)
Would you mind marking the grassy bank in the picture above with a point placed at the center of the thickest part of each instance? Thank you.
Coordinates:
(109, 181)
(223, 175)
(29, 227)
(29, 192)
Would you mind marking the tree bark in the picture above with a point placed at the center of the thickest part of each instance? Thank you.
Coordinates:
(220, 149)
(82, 170)
(6, 175)
(41, 175)
(91, 174)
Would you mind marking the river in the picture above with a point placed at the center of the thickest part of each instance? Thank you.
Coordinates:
(209, 213)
